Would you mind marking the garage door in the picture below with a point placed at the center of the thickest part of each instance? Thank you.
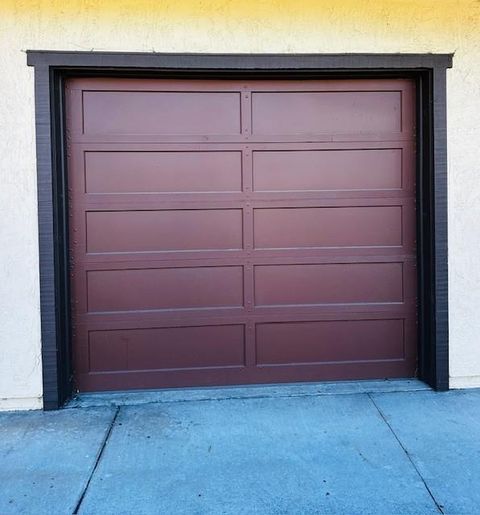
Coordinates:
(228, 232)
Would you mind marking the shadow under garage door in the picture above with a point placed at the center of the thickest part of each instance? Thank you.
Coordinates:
(228, 232)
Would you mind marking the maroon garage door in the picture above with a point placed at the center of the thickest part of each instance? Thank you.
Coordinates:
(227, 232)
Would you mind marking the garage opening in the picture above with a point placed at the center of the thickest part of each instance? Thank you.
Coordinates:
(241, 231)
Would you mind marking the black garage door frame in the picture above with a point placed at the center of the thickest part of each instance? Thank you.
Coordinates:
(52, 68)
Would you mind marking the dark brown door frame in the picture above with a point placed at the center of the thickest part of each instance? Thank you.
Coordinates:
(51, 68)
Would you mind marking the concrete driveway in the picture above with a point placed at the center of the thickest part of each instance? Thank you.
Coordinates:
(353, 448)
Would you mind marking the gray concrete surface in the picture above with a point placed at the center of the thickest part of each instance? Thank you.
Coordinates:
(46, 459)
(365, 448)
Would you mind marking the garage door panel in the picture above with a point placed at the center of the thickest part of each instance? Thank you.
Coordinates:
(327, 170)
(328, 284)
(171, 259)
(327, 341)
(241, 375)
(328, 227)
(164, 231)
(167, 348)
(319, 255)
(166, 288)
(314, 112)
(238, 316)
(161, 112)
(226, 231)
(329, 310)
(263, 257)
(163, 172)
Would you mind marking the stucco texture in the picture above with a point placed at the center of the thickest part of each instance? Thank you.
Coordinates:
(228, 26)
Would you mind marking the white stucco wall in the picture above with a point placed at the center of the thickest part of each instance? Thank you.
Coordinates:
(228, 26)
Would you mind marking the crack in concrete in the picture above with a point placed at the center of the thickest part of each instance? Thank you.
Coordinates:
(384, 418)
(97, 461)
